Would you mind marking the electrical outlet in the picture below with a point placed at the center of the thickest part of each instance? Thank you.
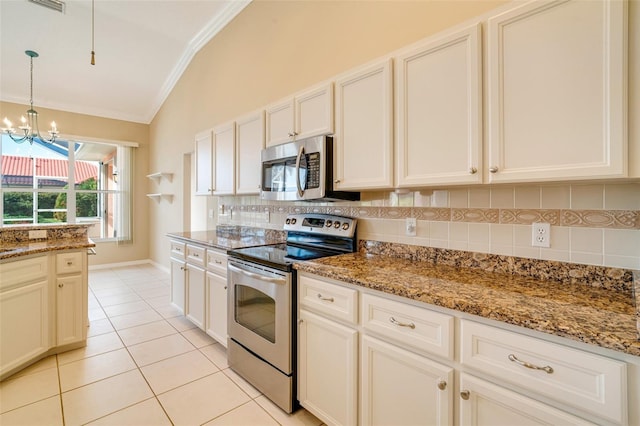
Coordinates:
(410, 226)
(541, 235)
(210, 213)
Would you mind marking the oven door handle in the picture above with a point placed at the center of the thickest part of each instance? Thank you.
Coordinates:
(254, 275)
(298, 158)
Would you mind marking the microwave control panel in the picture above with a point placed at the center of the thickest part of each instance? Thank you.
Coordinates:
(313, 170)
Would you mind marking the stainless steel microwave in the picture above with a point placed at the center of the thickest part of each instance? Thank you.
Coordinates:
(301, 170)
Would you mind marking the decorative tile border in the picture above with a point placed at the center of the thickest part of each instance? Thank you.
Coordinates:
(613, 219)
(617, 279)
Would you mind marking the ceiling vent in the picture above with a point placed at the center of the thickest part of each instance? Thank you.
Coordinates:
(56, 5)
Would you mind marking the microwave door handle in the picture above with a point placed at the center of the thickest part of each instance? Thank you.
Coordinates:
(298, 158)
(253, 275)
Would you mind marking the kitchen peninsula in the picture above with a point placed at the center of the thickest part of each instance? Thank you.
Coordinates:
(43, 292)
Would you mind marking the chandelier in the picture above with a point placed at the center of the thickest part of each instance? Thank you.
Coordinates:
(28, 129)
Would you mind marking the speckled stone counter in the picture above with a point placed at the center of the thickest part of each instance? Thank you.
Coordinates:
(231, 237)
(574, 306)
(15, 241)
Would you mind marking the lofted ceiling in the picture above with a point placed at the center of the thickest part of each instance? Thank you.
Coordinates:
(142, 47)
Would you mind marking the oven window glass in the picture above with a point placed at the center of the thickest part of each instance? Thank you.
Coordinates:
(256, 311)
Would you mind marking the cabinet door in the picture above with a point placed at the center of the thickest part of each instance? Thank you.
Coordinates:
(70, 321)
(216, 292)
(204, 163)
(557, 91)
(402, 388)
(24, 318)
(364, 117)
(178, 276)
(314, 112)
(327, 368)
(439, 115)
(194, 309)
(279, 122)
(483, 403)
(224, 159)
(249, 144)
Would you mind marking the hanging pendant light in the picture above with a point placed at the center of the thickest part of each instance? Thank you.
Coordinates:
(93, 16)
(29, 126)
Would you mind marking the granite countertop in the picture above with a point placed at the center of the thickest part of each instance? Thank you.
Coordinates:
(17, 249)
(15, 241)
(228, 240)
(594, 315)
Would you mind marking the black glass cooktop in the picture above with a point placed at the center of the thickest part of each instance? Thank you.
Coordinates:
(279, 256)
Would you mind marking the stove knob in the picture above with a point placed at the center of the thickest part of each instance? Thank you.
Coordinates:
(293, 221)
(336, 224)
(328, 223)
(345, 226)
(288, 221)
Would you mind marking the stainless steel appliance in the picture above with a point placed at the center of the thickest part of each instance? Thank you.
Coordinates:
(262, 301)
(301, 170)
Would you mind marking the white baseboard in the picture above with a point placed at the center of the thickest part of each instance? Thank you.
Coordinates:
(120, 264)
(160, 266)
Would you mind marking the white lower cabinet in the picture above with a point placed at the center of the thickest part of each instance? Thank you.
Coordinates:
(178, 277)
(195, 291)
(403, 372)
(24, 318)
(327, 366)
(70, 314)
(199, 287)
(43, 307)
(216, 321)
(484, 403)
(399, 387)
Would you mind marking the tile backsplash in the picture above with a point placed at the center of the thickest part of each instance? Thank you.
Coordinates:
(595, 224)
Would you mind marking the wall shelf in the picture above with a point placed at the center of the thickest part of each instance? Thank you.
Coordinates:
(159, 175)
(159, 196)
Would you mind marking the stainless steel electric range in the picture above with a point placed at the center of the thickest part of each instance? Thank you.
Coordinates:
(262, 301)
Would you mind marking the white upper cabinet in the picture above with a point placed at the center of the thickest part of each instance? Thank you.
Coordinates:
(224, 159)
(249, 144)
(309, 113)
(557, 91)
(204, 163)
(438, 111)
(363, 142)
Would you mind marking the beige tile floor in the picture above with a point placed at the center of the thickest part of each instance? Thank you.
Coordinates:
(144, 364)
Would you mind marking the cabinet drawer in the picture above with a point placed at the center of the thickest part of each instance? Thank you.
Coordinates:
(67, 263)
(22, 271)
(178, 249)
(338, 302)
(217, 262)
(195, 255)
(590, 382)
(422, 329)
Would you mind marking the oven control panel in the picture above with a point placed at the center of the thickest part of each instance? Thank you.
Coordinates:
(321, 224)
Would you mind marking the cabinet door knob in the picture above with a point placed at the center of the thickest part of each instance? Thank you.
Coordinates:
(69, 263)
(60, 285)
(464, 394)
(300, 321)
(473, 170)
(493, 169)
(336, 181)
(225, 287)
(442, 385)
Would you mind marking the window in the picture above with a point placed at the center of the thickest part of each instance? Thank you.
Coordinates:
(68, 182)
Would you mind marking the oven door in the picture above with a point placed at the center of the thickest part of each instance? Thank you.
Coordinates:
(260, 312)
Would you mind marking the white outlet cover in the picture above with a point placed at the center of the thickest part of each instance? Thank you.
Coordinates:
(541, 234)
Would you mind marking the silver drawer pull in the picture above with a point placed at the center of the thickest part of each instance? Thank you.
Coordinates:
(392, 320)
(327, 299)
(515, 359)
(195, 255)
(69, 263)
(218, 262)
